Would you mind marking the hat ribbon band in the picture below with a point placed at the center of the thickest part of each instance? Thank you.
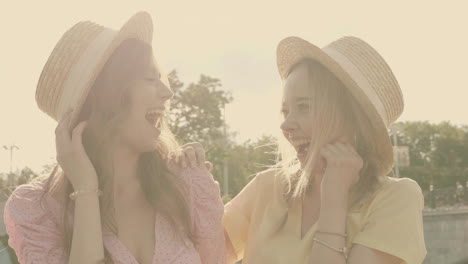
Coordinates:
(82, 70)
(360, 80)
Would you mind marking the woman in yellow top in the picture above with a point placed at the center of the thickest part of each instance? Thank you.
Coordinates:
(330, 201)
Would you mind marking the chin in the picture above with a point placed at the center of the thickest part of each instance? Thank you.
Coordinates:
(154, 145)
(151, 147)
(147, 146)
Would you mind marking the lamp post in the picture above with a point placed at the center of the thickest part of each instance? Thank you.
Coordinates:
(395, 130)
(432, 200)
(11, 148)
(225, 162)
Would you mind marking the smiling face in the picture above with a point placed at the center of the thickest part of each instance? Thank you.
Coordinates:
(297, 126)
(314, 115)
(318, 110)
(127, 103)
(148, 101)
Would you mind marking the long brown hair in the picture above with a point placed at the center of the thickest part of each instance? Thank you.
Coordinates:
(336, 113)
(105, 108)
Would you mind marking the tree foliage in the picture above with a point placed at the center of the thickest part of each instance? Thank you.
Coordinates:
(438, 153)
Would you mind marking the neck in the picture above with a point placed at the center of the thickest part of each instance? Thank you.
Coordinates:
(125, 162)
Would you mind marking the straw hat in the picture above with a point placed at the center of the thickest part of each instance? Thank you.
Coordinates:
(363, 71)
(77, 60)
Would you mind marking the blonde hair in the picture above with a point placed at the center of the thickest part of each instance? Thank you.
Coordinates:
(335, 114)
(105, 109)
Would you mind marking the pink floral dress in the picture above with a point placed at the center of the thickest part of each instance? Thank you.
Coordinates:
(36, 237)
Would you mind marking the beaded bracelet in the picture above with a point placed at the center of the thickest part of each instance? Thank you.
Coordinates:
(343, 251)
(74, 195)
(331, 233)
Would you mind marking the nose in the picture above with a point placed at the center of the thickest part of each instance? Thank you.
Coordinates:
(288, 125)
(166, 93)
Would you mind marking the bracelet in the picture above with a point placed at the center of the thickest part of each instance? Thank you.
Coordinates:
(331, 233)
(343, 251)
(74, 195)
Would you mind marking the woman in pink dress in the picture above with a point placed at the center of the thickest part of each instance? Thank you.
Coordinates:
(115, 196)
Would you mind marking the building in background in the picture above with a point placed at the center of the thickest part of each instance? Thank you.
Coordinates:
(401, 156)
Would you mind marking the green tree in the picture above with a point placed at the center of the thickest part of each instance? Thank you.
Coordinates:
(417, 136)
(197, 109)
(438, 153)
(48, 168)
(2, 181)
(450, 150)
(247, 159)
(26, 175)
(197, 116)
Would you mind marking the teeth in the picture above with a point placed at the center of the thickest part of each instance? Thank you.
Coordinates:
(153, 116)
(154, 112)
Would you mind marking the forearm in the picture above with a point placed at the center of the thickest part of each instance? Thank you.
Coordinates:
(87, 245)
(332, 219)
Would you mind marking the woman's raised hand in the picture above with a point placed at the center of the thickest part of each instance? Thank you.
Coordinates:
(71, 155)
(193, 155)
(343, 165)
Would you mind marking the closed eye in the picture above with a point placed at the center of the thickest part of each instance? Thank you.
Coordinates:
(303, 107)
(154, 77)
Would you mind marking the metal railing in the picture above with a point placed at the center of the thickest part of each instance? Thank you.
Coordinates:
(445, 197)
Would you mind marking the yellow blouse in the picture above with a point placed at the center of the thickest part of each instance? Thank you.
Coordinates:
(264, 231)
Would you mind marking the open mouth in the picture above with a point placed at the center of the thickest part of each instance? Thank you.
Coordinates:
(153, 117)
(302, 147)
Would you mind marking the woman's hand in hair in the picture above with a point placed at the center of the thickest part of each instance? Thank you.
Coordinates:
(342, 167)
(71, 155)
(193, 155)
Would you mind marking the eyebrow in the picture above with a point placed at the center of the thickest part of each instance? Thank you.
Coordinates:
(299, 99)
(302, 98)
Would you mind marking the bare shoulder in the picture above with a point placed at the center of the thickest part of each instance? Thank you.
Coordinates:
(268, 177)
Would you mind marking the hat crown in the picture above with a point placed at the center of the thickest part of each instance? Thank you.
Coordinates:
(357, 65)
(56, 71)
(78, 58)
(364, 73)
(376, 72)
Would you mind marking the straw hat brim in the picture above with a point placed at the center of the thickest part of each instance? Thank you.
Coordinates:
(293, 50)
(139, 26)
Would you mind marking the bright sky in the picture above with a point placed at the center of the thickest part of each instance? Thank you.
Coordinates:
(424, 42)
